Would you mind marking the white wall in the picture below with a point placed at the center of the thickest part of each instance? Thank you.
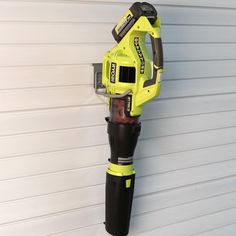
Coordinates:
(53, 141)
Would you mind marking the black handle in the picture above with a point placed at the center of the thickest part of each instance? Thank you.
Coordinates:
(119, 197)
(157, 51)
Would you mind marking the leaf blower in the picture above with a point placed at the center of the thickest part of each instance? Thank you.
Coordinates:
(130, 77)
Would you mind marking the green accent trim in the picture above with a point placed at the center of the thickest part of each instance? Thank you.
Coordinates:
(128, 183)
(121, 170)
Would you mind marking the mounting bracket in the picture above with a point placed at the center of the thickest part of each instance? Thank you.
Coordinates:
(97, 82)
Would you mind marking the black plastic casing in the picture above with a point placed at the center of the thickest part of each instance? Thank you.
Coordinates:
(118, 204)
(123, 139)
(139, 9)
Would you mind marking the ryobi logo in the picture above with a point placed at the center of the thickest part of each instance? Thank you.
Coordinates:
(113, 73)
(140, 54)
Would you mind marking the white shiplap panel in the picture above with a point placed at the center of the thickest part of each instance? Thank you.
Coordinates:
(183, 3)
(188, 141)
(71, 160)
(24, 209)
(68, 200)
(169, 180)
(53, 152)
(199, 69)
(54, 33)
(79, 54)
(52, 119)
(68, 180)
(182, 160)
(78, 117)
(74, 219)
(85, 12)
(198, 87)
(96, 229)
(72, 117)
(38, 98)
(80, 95)
(51, 141)
(187, 106)
(43, 76)
(51, 54)
(187, 124)
(197, 33)
(71, 33)
(185, 228)
(48, 225)
(181, 213)
(229, 229)
(196, 225)
(42, 141)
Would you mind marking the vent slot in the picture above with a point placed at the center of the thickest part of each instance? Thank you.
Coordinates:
(127, 74)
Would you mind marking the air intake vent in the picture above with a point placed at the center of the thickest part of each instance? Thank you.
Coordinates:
(127, 74)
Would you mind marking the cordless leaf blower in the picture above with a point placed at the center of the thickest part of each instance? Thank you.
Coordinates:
(130, 78)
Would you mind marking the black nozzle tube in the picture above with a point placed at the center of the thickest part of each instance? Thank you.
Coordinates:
(122, 139)
(120, 188)
(118, 204)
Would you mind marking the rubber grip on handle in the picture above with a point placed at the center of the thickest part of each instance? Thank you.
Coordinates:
(157, 51)
(119, 197)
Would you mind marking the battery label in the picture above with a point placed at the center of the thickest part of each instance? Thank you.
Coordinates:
(124, 23)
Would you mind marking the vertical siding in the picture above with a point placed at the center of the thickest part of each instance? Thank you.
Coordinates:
(54, 150)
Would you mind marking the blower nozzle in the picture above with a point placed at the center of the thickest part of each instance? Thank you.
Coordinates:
(123, 134)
